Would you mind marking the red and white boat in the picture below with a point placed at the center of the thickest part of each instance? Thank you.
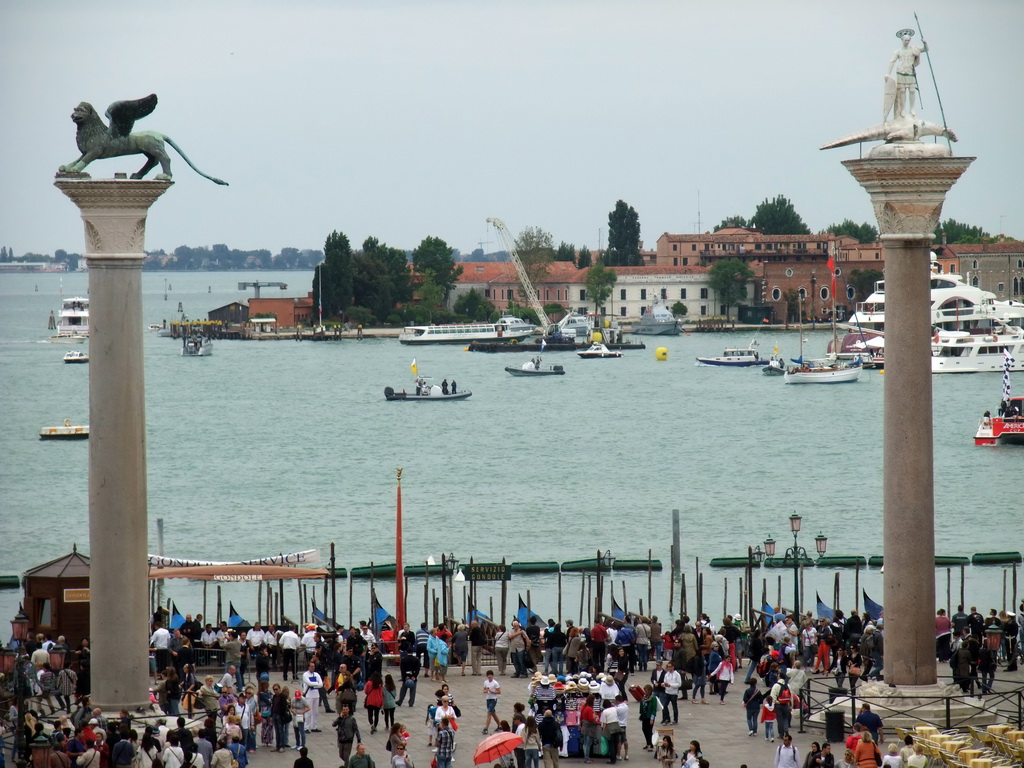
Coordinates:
(1007, 428)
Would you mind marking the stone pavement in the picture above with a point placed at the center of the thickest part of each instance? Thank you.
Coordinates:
(721, 730)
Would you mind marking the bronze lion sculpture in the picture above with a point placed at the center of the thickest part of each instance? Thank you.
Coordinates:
(97, 141)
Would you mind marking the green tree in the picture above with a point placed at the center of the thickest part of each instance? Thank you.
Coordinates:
(865, 233)
(332, 281)
(584, 260)
(396, 266)
(536, 250)
(679, 309)
(473, 305)
(728, 278)
(733, 221)
(566, 252)
(778, 217)
(959, 232)
(623, 237)
(863, 282)
(431, 294)
(434, 255)
(600, 281)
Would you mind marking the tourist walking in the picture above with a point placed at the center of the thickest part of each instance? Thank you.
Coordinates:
(348, 732)
(665, 754)
(501, 648)
(492, 690)
(517, 644)
(390, 702)
(752, 698)
(361, 759)
(648, 711)
(299, 711)
(374, 701)
(280, 710)
(550, 739)
(312, 685)
(445, 744)
(768, 718)
(866, 754)
(590, 727)
(786, 754)
(410, 669)
(673, 683)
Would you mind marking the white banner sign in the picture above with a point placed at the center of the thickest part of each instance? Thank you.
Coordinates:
(309, 557)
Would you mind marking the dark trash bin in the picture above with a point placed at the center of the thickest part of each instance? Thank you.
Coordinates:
(835, 725)
(836, 692)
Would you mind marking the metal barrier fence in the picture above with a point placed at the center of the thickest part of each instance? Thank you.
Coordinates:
(956, 710)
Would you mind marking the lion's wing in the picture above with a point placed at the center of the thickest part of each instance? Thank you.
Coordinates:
(123, 114)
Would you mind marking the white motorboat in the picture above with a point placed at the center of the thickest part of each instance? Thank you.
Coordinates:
(72, 322)
(736, 358)
(196, 346)
(66, 431)
(76, 356)
(598, 351)
(462, 333)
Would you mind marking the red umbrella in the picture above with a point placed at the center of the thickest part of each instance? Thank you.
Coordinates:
(495, 746)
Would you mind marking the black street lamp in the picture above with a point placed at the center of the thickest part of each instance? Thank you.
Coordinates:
(796, 554)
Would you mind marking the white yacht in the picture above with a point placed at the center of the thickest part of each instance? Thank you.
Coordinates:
(72, 320)
(978, 352)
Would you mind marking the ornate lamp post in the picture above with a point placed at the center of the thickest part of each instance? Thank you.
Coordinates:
(797, 554)
(605, 560)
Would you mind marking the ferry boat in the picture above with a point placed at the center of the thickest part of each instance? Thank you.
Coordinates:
(76, 356)
(508, 329)
(657, 320)
(736, 358)
(72, 320)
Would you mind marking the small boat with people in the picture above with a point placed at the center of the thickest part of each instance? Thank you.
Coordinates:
(76, 356)
(534, 368)
(597, 351)
(196, 346)
(823, 371)
(1007, 426)
(657, 320)
(425, 391)
(745, 357)
(67, 431)
(775, 366)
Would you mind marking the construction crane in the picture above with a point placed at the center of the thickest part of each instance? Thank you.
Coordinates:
(531, 295)
(257, 285)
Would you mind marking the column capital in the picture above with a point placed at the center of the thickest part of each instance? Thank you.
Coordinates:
(114, 213)
(907, 193)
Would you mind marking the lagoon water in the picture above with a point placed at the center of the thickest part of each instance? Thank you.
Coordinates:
(269, 447)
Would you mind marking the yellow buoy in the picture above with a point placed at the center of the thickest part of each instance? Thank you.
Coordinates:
(607, 322)
(661, 353)
(596, 337)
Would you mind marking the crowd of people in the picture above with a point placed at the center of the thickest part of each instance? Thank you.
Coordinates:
(275, 682)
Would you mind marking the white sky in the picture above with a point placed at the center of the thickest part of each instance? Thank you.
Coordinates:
(403, 119)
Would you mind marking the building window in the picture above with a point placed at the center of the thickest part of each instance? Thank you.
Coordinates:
(675, 261)
(703, 310)
(803, 293)
(693, 247)
(776, 294)
(682, 293)
(975, 264)
(686, 261)
(643, 294)
(622, 294)
(44, 612)
(757, 246)
(1001, 287)
(1020, 263)
(824, 293)
(974, 281)
(722, 309)
(675, 247)
(789, 273)
(622, 311)
(703, 293)
(664, 293)
(487, 293)
(583, 294)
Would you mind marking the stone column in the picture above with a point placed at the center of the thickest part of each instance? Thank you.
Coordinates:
(908, 182)
(114, 212)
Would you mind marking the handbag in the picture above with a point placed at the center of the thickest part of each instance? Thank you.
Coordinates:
(686, 684)
(878, 757)
(856, 671)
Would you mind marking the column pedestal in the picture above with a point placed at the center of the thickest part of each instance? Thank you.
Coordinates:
(908, 182)
(114, 213)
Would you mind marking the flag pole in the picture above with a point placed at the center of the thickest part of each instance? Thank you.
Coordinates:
(399, 570)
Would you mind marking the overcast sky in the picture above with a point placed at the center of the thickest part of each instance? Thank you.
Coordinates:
(406, 119)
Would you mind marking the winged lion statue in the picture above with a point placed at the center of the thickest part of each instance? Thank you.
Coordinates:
(97, 141)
